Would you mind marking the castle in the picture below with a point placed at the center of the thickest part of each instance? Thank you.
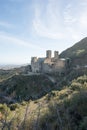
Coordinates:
(48, 64)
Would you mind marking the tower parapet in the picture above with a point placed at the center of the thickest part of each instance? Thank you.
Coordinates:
(48, 54)
(56, 54)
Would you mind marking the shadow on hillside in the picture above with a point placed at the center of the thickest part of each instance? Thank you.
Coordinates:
(19, 88)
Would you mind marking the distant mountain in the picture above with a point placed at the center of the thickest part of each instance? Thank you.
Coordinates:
(11, 66)
(78, 53)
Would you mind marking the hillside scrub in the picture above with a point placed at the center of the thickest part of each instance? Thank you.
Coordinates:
(21, 87)
(58, 110)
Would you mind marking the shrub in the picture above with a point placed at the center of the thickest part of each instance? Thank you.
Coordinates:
(76, 86)
(4, 108)
(14, 106)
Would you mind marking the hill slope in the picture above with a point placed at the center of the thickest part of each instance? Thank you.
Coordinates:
(57, 110)
(21, 87)
(78, 53)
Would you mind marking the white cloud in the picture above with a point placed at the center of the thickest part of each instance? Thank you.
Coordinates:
(68, 17)
(75, 17)
(83, 19)
(49, 24)
(43, 31)
(13, 40)
(57, 22)
(17, 49)
(6, 24)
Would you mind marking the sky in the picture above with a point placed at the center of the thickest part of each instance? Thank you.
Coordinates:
(30, 27)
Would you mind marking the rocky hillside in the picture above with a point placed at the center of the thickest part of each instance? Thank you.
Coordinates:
(78, 53)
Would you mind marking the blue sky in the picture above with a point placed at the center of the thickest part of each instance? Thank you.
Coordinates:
(30, 27)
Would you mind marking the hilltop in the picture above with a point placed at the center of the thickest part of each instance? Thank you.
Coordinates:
(77, 53)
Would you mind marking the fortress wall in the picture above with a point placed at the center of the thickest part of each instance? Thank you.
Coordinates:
(47, 60)
(35, 67)
(46, 68)
(59, 64)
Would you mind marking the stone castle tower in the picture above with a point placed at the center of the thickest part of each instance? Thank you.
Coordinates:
(56, 54)
(48, 54)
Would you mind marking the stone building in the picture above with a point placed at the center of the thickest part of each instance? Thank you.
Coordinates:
(48, 64)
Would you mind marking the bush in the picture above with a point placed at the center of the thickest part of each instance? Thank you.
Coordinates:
(4, 108)
(76, 86)
(14, 106)
(23, 103)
